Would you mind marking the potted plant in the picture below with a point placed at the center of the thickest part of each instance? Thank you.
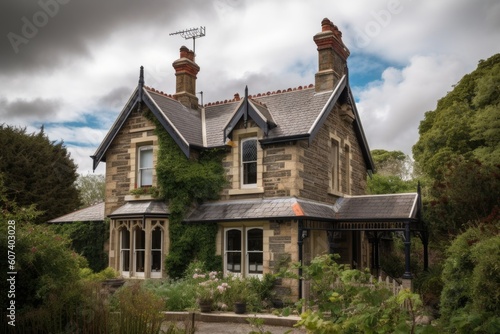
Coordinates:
(239, 294)
(205, 290)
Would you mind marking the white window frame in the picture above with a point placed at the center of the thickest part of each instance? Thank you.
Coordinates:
(157, 274)
(248, 252)
(242, 163)
(244, 252)
(137, 250)
(226, 251)
(140, 168)
(122, 251)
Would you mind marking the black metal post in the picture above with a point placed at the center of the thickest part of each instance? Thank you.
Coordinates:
(407, 243)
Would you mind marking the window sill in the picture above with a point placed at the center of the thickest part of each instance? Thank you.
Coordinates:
(246, 191)
(130, 198)
(335, 192)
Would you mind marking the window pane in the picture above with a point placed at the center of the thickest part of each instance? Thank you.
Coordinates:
(255, 237)
(233, 240)
(233, 262)
(249, 150)
(155, 261)
(140, 239)
(146, 158)
(139, 261)
(156, 239)
(250, 173)
(125, 236)
(125, 260)
(146, 177)
(255, 261)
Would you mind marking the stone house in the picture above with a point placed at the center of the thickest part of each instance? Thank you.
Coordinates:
(296, 163)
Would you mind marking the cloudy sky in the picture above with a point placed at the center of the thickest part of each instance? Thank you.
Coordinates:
(71, 65)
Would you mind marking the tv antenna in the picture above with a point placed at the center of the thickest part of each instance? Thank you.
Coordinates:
(193, 33)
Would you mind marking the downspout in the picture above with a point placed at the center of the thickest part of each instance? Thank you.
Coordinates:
(300, 242)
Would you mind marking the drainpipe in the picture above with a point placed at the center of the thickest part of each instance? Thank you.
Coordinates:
(300, 242)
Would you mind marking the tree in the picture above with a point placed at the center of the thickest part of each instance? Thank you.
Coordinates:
(470, 301)
(394, 173)
(38, 171)
(465, 122)
(467, 191)
(92, 189)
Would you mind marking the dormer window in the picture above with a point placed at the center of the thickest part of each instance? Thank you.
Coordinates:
(145, 166)
(249, 163)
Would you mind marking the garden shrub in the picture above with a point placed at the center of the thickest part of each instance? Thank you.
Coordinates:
(87, 239)
(344, 301)
(470, 301)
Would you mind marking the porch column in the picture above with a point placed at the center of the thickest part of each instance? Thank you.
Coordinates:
(376, 255)
(407, 243)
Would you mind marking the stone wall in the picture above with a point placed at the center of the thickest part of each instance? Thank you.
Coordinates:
(121, 158)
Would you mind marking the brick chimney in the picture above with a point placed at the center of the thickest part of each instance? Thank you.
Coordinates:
(185, 84)
(332, 56)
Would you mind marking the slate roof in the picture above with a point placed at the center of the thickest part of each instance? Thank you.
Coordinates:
(354, 208)
(141, 209)
(295, 113)
(391, 206)
(89, 214)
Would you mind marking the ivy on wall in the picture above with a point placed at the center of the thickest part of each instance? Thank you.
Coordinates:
(183, 182)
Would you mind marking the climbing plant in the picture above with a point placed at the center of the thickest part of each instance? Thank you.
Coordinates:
(183, 182)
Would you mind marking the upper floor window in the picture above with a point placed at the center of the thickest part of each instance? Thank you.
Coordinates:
(335, 166)
(249, 162)
(145, 166)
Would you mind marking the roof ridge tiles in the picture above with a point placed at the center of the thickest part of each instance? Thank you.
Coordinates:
(254, 96)
(159, 92)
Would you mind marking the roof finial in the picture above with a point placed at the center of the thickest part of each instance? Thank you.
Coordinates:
(141, 87)
(141, 77)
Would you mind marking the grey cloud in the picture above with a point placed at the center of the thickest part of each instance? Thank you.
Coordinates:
(115, 98)
(35, 109)
(42, 34)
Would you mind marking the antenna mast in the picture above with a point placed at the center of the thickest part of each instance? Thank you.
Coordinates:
(193, 33)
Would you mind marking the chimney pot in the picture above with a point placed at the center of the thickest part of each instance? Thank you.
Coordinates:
(332, 56)
(186, 71)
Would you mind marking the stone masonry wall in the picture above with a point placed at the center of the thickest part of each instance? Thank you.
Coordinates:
(120, 158)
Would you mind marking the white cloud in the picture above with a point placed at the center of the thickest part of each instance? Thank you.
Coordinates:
(392, 108)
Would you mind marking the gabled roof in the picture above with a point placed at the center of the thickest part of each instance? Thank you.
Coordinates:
(89, 214)
(296, 114)
(256, 111)
(368, 208)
